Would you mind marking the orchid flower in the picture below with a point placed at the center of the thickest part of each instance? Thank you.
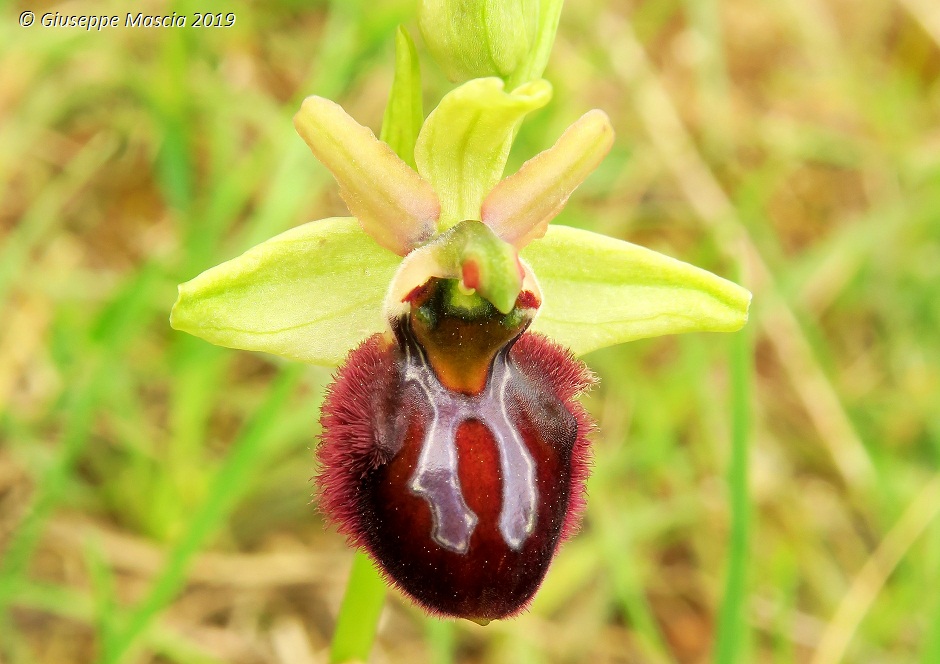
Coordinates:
(454, 449)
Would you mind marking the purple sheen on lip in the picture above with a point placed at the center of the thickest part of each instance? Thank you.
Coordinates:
(435, 475)
(462, 499)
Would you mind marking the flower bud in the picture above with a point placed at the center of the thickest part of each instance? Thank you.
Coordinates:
(479, 38)
(455, 452)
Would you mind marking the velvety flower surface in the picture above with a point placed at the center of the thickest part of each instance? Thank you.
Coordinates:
(456, 453)
(453, 449)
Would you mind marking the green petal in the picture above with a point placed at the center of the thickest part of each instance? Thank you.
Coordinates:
(394, 205)
(463, 146)
(310, 294)
(403, 113)
(598, 291)
(520, 207)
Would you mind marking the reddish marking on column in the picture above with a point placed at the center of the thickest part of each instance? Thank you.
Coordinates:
(471, 274)
(527, 300)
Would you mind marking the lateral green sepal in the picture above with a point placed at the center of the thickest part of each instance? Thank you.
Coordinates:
(310, 294)
(598, 291)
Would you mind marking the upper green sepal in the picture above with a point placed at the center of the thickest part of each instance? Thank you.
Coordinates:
(598, 291)
(464, 144)
(311, 294)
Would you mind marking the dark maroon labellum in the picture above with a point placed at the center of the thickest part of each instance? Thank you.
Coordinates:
(456, 453)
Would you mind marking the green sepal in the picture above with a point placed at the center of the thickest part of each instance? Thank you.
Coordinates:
(310, 294)
(464, 143)
(404, 112)
(598, 291)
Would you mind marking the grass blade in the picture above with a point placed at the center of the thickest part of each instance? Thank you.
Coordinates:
(227, 487)
(732, 626)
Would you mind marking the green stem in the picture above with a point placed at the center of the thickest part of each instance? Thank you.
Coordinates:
(441, 638)
(732, 629)
(358, 619)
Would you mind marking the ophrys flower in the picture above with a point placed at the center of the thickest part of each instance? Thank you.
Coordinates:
(454, 449)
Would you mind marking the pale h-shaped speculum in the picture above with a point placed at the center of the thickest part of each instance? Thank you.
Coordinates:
(435, 477)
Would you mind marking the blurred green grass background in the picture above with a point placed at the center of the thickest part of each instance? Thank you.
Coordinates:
(154, 490)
